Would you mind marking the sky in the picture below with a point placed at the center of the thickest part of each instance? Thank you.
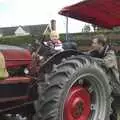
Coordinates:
(32, 12)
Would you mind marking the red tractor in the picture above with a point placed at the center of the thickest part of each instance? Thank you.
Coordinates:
(68, 85)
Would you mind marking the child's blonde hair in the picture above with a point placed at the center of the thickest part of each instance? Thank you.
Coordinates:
(54, 33)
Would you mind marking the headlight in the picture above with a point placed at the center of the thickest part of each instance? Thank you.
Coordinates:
(26, 71)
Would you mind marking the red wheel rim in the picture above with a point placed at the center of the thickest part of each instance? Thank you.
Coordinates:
(78, 103)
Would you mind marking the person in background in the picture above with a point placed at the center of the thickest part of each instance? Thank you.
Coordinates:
(101, 49)
(3, 70)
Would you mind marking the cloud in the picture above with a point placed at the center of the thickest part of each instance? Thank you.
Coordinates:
(28, 12)
(3, 1)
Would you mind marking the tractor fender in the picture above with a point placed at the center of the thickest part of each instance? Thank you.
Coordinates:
(56, 59)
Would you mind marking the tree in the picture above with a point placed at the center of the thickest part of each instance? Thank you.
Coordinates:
(99, 29)
(116, 28)
(94, 27)
(86, 28)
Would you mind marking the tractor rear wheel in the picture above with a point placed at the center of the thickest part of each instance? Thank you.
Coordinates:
(77, 89)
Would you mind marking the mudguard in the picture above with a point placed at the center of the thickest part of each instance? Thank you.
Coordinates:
(56, 59)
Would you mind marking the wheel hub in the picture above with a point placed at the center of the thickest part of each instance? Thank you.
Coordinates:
(78, 109)
(77, 105)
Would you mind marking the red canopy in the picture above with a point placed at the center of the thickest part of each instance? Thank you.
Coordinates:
(104, 13)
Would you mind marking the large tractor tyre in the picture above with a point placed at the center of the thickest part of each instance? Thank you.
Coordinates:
(77, 89)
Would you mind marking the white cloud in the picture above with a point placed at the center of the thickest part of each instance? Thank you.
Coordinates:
(3, 1)
(25, 12)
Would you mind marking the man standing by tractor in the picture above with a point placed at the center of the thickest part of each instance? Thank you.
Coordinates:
(102, 50)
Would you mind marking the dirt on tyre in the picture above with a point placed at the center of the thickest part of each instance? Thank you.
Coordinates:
(77, 89)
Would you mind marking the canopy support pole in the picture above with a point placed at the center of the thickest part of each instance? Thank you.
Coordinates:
(66, 28)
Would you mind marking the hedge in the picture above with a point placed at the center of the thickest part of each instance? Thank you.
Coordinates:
(82, 39)
(16, 40)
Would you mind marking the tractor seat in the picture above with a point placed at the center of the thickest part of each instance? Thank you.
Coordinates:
(15, 80)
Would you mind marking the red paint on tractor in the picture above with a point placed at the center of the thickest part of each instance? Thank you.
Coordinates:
(16, 58)
(16, 80)
(104, 13)
(78, 103)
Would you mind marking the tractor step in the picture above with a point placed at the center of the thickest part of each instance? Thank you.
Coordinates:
(15, 80)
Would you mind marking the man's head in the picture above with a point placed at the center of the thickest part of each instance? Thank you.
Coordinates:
(98, 42)
(54, 35)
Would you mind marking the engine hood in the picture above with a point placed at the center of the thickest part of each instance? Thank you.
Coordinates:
(15, 56)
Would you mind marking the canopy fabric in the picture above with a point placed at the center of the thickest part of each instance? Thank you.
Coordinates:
(104, 13)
